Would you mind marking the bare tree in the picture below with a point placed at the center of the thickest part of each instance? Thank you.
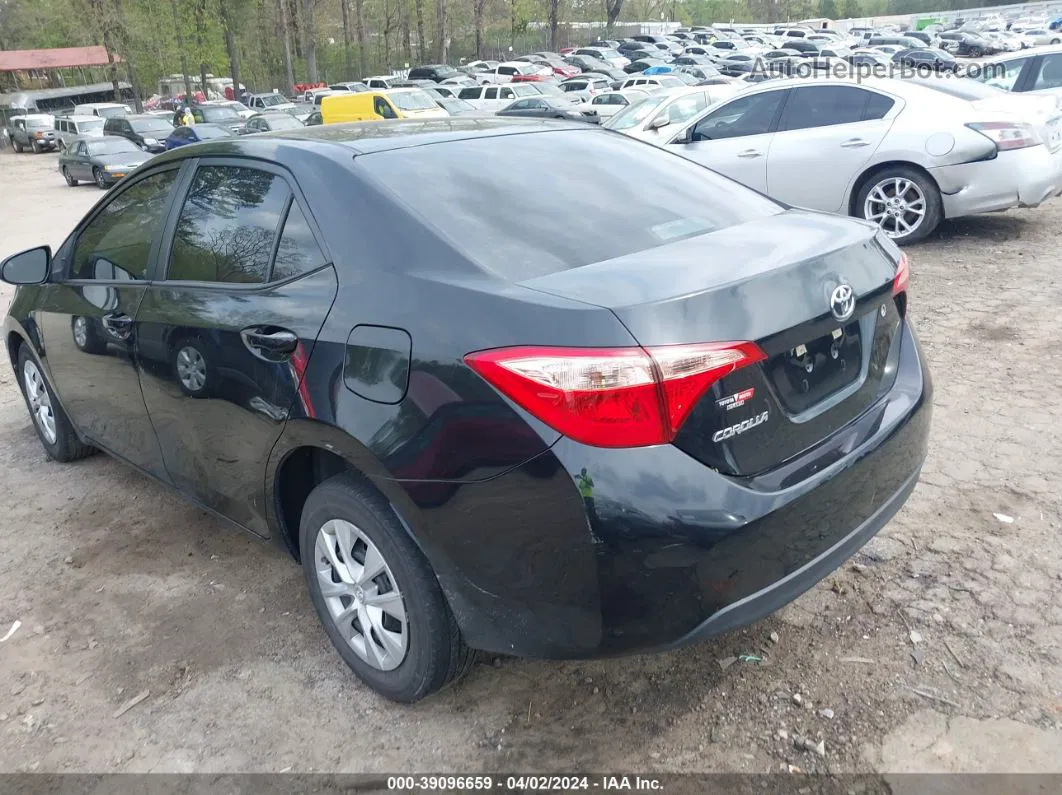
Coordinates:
(309, 38)
(554, 21)
(285, 34)
(612, 12)
(180, 49)
(227, 10)
(440, 30)
(344, 9)
(359, 18)
(477, 13)
(422, 42)
(200, 42)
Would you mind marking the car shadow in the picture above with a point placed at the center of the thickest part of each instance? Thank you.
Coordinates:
(996, 226)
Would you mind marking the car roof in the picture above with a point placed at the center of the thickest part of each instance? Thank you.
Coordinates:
(339, 141)
(272, 114)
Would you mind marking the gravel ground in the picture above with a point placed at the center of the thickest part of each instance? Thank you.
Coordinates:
(939, 647)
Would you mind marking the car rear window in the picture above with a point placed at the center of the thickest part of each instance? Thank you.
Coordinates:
(509, 220)
(159, 125)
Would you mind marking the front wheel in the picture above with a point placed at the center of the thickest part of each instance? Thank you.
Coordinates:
(49, 420)
(69, 179)
(903, 202)
(376, 594)
(36, 147)
(17, 146)
(99, 178)
(1056, 41)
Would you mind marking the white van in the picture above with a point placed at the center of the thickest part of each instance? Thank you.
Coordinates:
(104, 110)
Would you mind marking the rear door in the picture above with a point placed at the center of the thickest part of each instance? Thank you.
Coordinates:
(832, 132)
(734, 139)
(224, 338)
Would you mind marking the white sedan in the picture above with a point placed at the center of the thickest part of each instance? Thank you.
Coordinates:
(604, 106)
(893, 152)
(655, 119)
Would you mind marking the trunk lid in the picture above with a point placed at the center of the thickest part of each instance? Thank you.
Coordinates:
(768, 281)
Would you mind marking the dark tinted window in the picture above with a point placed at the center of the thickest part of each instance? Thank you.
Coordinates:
(469, 93)
(750, 115)
(228, 225)
(505, 216)
(117, 243)
(822, 106)
(878, 105)
(298, 251)
(219, 115)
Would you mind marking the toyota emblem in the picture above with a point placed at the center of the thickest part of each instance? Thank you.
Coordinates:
(842, 302)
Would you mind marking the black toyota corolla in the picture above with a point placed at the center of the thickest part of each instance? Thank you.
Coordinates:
(482, 418)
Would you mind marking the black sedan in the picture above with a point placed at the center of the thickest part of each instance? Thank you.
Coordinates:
(642, 64)
(586, 63)
(387, 348)
(101, 159)
(544, 107)
(926, 58)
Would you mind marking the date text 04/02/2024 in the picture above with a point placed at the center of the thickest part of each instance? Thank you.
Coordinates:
(522, 783)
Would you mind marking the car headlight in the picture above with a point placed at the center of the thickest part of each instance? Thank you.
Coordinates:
(114, 168)
(151, 141)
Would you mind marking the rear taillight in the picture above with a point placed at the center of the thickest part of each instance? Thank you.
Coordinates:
(1007, 135)
(903, 276)
(612, 397)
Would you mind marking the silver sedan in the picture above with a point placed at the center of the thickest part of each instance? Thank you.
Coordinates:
(901, 155)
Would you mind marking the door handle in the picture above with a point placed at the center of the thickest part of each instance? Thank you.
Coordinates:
(750, 153)
(855, 143)
(271, 345)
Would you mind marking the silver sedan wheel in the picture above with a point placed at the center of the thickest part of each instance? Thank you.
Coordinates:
(361, 594)
(897, 205)
(81, 332)
(191, 368)
(40, 401)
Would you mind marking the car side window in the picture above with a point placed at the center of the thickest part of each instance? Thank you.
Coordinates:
(823, 106)
(297, 252)
(507, 70)
(751, 115)
(116, 244)
(521, 104)
(227, 226)
(469, 93)
(1050, 72)
(490, 93)
(383, 108)
(1004, 75)
(877, 106)
(82, 149)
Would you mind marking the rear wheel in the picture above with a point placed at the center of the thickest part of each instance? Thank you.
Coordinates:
(376, 594)
(86, 336)
(1056, 41)
(49, 420)
(193, 368)
(69, 179)
(902, 201)
(100, 179)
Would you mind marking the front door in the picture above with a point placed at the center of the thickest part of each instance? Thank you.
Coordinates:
(831, 132)
(735, 138)
(224, 337)
(87, 316)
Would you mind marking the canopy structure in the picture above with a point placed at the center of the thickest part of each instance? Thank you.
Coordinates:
(60, 58)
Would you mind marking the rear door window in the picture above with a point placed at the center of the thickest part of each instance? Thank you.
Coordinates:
(1049, 73)
(297, 251)
(228, 225)
(823, 106)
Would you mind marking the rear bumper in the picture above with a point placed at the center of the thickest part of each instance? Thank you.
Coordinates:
(664, 551)
(1021, 178)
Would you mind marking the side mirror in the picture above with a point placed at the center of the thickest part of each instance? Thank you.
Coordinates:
(29, 267)
(659, 122)
(684, 137)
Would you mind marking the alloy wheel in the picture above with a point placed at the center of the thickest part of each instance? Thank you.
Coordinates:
(191, 368)
(40, 401)
(81, 332)
(361, 594)
(897, 205)
(100, 181)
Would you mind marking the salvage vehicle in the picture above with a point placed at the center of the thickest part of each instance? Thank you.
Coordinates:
(474, 424)
(35, 132)
(103, 159)
(894, 152)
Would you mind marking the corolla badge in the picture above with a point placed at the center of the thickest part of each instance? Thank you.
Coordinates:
(842, 302)
(740, 427)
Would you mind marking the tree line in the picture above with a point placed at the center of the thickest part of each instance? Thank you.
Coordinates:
(269, 44)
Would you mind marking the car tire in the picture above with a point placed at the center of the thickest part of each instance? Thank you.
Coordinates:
(341, 518)
(17, 147)
(914, 185)
(98, 178)
(69, 179)
(1056, 41)
(193, 367)
(87, 338)
(36, 147)
(53, 428)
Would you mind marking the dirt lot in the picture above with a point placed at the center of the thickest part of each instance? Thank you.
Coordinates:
(938, 648)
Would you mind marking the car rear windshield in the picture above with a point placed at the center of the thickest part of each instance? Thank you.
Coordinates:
(89, 125)
(518, 205)
(220, 115)
(159, 125)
